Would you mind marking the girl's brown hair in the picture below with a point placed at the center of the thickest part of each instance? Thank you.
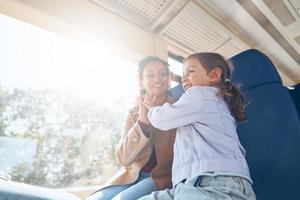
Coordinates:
(230, 92)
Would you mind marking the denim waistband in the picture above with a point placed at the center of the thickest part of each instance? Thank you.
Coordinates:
(209, 177)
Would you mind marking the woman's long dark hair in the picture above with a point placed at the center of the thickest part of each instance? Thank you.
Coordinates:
(230, 92)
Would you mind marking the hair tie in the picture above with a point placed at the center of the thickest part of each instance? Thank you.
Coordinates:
(227, 80)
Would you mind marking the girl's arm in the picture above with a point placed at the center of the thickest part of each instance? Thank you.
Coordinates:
(181, 113)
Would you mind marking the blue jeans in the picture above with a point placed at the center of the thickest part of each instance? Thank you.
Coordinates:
(143, 186)
(207, 188)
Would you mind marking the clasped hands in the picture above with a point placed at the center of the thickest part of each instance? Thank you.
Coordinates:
(149, 101)
(146, 102)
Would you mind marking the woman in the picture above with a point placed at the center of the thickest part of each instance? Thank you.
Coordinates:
(146, 157)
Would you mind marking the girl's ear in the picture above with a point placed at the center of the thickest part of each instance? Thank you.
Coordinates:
(215, 75)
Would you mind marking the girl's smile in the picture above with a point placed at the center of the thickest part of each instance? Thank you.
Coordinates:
(194, 74)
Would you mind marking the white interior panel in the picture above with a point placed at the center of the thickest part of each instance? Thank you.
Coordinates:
(146, 13)
(232, 48)
(295, 4)
(140, 11)
(196, 31)
(254, 34)
(276, 17)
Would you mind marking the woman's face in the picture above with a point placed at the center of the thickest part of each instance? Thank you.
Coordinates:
(155, 78)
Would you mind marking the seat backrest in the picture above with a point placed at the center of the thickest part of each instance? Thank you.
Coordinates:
(176, 91)
(271, 135)
(295, 94)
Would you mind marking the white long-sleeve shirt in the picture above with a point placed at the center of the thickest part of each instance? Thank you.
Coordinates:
(206, 139)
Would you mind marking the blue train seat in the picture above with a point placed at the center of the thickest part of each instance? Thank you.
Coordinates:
(295, 94)
(271, 135)
(176, 91)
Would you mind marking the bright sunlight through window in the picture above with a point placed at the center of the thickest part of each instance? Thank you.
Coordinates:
(62, 107)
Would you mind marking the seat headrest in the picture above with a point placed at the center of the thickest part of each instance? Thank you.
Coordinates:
(252, 68)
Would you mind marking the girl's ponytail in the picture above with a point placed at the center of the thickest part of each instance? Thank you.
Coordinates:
(232, 95)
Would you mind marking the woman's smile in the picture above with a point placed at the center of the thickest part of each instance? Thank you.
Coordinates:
(158, 85)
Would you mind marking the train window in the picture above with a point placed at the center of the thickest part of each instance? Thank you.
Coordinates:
(62, 105)
(176, 67)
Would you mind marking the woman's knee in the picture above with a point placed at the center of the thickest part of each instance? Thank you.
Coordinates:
(97, 196)
(108, 192)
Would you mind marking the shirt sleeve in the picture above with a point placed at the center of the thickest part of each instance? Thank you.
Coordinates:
(132, 142)
(181, 113)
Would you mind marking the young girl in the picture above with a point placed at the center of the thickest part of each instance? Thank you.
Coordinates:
(209, 161)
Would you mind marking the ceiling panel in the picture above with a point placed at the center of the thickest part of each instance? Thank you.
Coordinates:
(194, 30)
(284, 15)
(281, 11)
(231, 48)
(146, 13)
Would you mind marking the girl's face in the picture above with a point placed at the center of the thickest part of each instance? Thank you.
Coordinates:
(194, 74)
(155, 78)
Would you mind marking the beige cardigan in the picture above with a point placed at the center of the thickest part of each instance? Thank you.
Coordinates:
(134, 151)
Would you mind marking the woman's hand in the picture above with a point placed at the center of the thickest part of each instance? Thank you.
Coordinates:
(143, 111)
(149, 101)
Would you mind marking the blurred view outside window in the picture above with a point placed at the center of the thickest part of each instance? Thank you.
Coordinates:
(62, 107)
(176, 67)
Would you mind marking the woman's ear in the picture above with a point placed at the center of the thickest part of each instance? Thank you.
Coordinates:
(215, 75)
(140, 84)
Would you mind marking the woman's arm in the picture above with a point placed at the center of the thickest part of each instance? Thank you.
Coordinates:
(132, 141)
(181, 113)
